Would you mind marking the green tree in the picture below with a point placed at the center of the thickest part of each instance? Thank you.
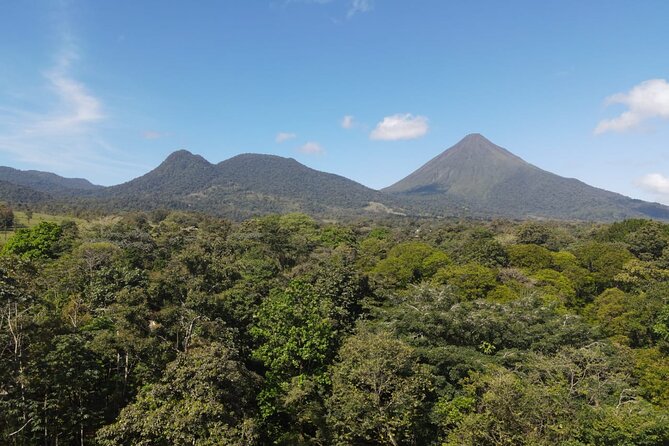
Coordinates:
(409, 262)
(638, 275)
(603, 260)
(626, 317)
(531, 257)
(379, 392)
(470, 281)
(651, 367)
(6, 217)
(648, 241)
(533, 233)
(578, 396)
(38, 242)
(480, 246)
(556, 284)
(206, 397)
(74, 390)
(296, 337)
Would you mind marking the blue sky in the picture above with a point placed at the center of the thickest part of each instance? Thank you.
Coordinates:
(368, 89)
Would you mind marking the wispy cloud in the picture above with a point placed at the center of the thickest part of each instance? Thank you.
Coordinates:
(647, 100)
(61, 131)
(400, 126)
(353, 6)
(311, 148)
(347, 122)
(284, 136)
(656, 184)
(153, 134)
(318, 2)
(359, 6)
(80, 106)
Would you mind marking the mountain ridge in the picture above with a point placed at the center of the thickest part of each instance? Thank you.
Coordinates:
(475, 177)
(243, 185)
(46, 182)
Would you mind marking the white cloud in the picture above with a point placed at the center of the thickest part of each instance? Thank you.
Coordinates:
(649, 99)
(62, 131)
(318, 2)
(152, 134)
(78, 106)
(655, 183)
(359, 6)
(354, 6)
(347, 122)
(311, 148)
(283, 137)
(400, 126)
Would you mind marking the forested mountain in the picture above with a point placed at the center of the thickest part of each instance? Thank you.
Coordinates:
(247, 184)
(473, 178)
(46, 182)
(16, 194)
(489, 180)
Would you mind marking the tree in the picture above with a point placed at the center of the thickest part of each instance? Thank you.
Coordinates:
(603, 261)
(294, 330)
(531, 257)
(296, 334)
(470, 281)
(379, 392)
(38, 242)
(533, 233)
(409, 262)
(6, 217)
(74, 390)
(652, 370)
(627, 317)
(205, 397)
(638, 275)
(18, 309)
(576, 397)
(556, 284)
(480, 246)
(661, 326)
(648, 241)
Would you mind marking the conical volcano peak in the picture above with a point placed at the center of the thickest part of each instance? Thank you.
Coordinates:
(484, 177)
(475, 142)
(475, 137)
(470, 167)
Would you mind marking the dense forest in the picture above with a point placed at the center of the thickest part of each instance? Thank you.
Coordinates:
(171, 328)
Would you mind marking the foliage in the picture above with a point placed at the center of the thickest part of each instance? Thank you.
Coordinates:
(204, 398)
(181, 328)
(378, 391)
(410, 262)
(470, 281)
(38, 242)
(531, 257)
(533, 233)
(480, 246)
(6, 217)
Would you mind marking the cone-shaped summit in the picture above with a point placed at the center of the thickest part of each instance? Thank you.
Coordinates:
(469, 168)
(488, 180)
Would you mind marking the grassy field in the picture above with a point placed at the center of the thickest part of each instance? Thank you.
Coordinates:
(21, 220)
